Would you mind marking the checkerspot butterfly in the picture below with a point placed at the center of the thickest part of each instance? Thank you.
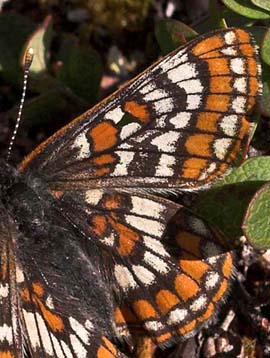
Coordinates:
(88, 244)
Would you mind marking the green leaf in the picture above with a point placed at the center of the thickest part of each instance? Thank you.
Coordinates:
(42, 108)
(265, 100)
(14, 30)
(232, 19)
(256, 224)
(171, 34)
(81, 70)
(40, 41)
(224, 205)
(265, 48)
(245, 8)
(217, 19)
(264, 4)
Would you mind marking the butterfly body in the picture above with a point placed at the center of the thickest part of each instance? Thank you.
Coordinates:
(88, 251)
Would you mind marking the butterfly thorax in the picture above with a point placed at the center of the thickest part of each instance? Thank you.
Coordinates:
(19, 196)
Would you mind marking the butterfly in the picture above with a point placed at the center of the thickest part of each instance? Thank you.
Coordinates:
(90, 244)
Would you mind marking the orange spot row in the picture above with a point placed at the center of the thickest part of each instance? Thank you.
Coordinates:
(187, 328)
(144, 310)
(185, 286)
(193, 167)
(199, 144)
(127, 238)
(220, 84)
(103, 136)
(207, 121)
(194, 268)
(137, 110)
(207, 45)
(217, 102)
(166, 301)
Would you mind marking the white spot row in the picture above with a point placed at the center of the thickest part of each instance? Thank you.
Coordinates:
(148, 207)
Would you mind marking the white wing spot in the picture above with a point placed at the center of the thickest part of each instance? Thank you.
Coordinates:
(128, 130)
(240, 84)
(79, 329)
(199, 303)
(177, 315)
(121, 168)
(230, 37)
(165, 166)
(238, 104)
(4, 290)
(155, 95)
(143, 274)
(221, 147)
(93, 196)
(115, 114)
(82, 144)
(193, 101)
(229, 51)
(43, 330)
(152, 227)
(166, 142)
(77, 346)
(31, 326)
(228, 124)
(181, 120)
(212, 280)
(124, 277)
(238, 65)
(147, 207)
(6, 333)
(192, 86)
(109, 240)
(153, 325)
(157, 263)
(163, 105)
(155, 245)
(182, 72)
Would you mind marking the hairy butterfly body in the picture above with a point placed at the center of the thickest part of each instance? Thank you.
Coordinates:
(87, 248)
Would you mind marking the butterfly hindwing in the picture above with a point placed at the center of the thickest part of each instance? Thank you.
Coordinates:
(182, 123)
(171, 270)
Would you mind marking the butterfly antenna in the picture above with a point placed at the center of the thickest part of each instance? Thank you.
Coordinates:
(27, 63)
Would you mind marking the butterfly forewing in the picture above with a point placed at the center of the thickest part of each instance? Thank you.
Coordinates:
(182, 123)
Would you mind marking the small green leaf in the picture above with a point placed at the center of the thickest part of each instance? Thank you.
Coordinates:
(264, 4)
(245, 8)
(42, 108)
(256, 224)
(171, 34)
(81, 70)
(265, 100)
(217, 19)
(40, 41)
(224, 205)
(265, 48)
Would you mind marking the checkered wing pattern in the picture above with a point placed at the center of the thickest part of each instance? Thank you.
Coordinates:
(40, 314)
(171, 269)
(181, 123)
